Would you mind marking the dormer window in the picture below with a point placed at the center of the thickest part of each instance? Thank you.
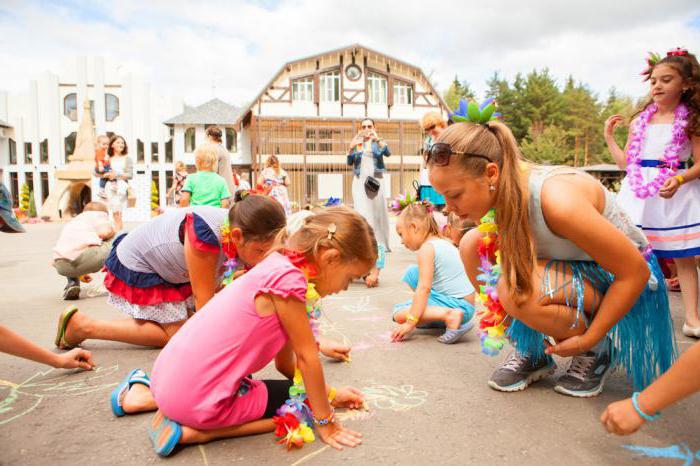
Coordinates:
(303, 90)
(377, 86)
(403, 93)
(330, 86)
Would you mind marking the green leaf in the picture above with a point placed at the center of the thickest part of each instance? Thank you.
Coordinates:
(459, 118)
(487, 112)
(473, 112)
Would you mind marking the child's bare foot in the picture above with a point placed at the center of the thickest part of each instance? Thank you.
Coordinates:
(138, 399)
(190, 435)
(453, 319)
(76, 329)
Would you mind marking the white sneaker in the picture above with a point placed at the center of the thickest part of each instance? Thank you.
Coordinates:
(693, 332)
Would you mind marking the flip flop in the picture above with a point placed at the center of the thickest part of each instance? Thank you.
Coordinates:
(60, 340)
(453, 335)
(164, 434)
(117, 396)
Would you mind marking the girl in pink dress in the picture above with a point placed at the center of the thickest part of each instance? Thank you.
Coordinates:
(201, 385)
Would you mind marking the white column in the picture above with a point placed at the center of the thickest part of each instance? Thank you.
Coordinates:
(81, 84)
(3, 107)
(99, 95)
(146, 129)
(53, 108)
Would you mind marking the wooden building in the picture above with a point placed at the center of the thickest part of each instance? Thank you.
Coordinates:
(308, 113)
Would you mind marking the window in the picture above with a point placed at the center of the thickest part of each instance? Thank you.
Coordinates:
(140, 151)
(169, 151)
(14, 188)
(231, 140)
(330, 86)
(310, 140)
(154, 152)
(326, 139)
(44, 186)
(189, 140)
(44, 151)
(13, 152)
(303, 90)
(377, 88)
(70, 106)
(111, 107)
(69, 143)
(27, 152)
(29, 179)
(403, 93)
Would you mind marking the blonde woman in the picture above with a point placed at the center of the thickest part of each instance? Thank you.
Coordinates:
(205, 187)
(433, 125)
(275, 178)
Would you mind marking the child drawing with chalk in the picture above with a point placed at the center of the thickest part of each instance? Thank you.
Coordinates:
(201, 383)
(443, 296)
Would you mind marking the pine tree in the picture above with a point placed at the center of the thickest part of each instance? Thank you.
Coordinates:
(456, 92)
(32, 206)
(24, 196)
(155, 196)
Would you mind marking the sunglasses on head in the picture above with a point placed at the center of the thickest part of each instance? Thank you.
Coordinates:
(440, 153)
(429, 128)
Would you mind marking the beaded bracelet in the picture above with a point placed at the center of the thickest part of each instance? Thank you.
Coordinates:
(330, 419)
(412, 318)
(641, 413)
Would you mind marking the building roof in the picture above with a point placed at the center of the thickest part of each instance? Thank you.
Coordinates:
(215, 111)
(4, 125)
(284, 67)
(603, 167)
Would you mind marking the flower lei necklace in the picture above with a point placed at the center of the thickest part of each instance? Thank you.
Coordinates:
(492, 324)
(671, 158)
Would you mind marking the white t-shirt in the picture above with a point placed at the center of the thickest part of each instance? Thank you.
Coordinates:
(79, 234)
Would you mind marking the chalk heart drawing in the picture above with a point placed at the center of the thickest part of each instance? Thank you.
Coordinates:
(399, 398)
(679, 452)
(19, 399)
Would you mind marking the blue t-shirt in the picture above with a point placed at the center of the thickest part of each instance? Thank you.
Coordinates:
(449, 276)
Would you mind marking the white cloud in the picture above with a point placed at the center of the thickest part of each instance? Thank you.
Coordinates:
(184, 48)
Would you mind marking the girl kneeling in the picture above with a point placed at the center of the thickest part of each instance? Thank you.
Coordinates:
(443, 293)
(201, 384)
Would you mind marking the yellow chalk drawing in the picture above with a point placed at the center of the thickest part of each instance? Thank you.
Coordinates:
(22, 398)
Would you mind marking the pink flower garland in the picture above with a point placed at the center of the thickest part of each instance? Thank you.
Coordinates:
(671, 158)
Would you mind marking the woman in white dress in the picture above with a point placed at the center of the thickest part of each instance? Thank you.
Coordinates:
(366, 156)
(275, 181)
(667, 127)
(122, 170)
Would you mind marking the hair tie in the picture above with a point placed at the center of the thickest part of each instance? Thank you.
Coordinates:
(678, 52)
(245, 193)
(332, 228)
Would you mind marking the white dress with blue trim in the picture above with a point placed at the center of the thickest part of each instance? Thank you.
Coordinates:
(672, 226)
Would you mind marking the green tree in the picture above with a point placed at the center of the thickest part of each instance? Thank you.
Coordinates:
(32, 205)
(24, 196)
(581, 120)
(548, 147)
(508, 103)
(155, 196)
(617, 105)
(456, 92)
(541, 101)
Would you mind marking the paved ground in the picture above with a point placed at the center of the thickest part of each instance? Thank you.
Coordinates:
(430, 402)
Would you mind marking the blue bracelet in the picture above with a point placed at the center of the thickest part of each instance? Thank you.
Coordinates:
(643, 415)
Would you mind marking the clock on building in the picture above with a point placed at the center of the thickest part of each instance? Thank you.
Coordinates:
(353, 72)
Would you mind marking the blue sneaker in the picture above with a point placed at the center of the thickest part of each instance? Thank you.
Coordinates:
(585, 376)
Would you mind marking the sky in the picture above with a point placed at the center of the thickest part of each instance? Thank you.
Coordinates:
(231, 48)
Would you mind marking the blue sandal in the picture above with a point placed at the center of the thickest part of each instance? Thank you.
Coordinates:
(453, 336)
(117, 396)
(164, 433)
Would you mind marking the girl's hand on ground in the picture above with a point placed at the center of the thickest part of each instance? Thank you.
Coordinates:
(621, 418)
(669, 188)
(334, 350)
(76, 358)
(338, 436)
(569, 347)
(348, 397)
(372, 280)
(402, 332)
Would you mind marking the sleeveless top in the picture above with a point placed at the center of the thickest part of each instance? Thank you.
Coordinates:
(449, 277)
(552, 246)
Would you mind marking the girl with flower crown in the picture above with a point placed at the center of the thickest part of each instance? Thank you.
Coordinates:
(577, 285)
(660, 193)
(201, 381)
(165, 269)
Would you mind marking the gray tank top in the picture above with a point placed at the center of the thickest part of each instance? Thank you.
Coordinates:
(552, 246)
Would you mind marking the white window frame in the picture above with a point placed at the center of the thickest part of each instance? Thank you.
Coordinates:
(377, 87)
(403, 93)
(303, 90)
(330, 86)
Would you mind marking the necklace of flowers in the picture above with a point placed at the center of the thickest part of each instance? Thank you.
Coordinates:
(294, 421)
(232, 264)
(492, 323)
(671, 158)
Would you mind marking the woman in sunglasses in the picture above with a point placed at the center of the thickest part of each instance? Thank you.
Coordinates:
(366, 156)
(573, 269)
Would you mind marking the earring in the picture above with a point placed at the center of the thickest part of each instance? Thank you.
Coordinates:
(492, 188)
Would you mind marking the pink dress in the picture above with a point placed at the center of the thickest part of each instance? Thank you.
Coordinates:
(200, 377)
